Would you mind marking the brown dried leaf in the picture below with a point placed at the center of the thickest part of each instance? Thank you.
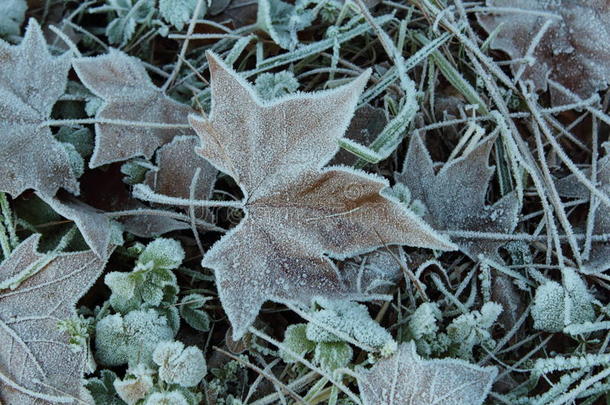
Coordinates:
(296, 212)
(177, 163)
(406, 378)
(129, 95)
(31, 81)
(455, 197)
(572, 52)
(37, 364)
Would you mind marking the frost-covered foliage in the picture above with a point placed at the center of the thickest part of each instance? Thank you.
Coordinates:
(248, 260)
(32, 80)
(178, 365)
(12, 14)
(560, 40)
(38, 359)
(131, 338)
(130, 97)
(557, 306)
(273, 85)
(406, 378)
(283, 20)
(179, 12)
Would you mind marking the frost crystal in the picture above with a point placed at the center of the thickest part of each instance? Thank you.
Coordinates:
(31, 81)
(296, 212)
(405, 378)
(38, 362)
(178, 365)
(556, 307)
(572, 50)
(129, 95)
(130, 339)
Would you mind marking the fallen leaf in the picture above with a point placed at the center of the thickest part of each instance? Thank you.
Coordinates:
(31, 81)
(297, 213)
(406, 378)
(177, 163)
(37, 363)
(455, 197)
(129, 95)
(94, 225)
(573, 50)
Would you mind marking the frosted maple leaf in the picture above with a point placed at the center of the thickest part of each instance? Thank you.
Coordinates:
(37, 363)
(573, 50)
(297, 213)
(406, 378)
(455, 196)
(129, 95)
(31, 81)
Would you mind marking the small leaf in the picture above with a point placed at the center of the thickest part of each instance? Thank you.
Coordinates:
(295, 339)
(191, 312)
(333, 355)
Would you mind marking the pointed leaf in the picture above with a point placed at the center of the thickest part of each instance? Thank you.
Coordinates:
(129, 95)
(296, 212)
(37, 363)
(406, 378)
(31, 81)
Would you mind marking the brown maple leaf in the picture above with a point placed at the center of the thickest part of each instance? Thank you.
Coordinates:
(129, 95)
(31, 81)
(297, 212)
(573, 50)
(406, 378)
(37, 363)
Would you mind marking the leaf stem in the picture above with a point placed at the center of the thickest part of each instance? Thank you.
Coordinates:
(143, 192)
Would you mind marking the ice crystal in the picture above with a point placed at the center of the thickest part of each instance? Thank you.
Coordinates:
(406, 378)
(37, 290)
(129, 95)
(296, 212)
(32, 80)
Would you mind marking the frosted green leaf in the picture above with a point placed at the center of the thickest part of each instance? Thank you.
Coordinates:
(572, 50)
(297, 213)
(162, 253)
(273, 85)
(556, 306)
(350, 318)
(423, 321)
(121, 30)
(166, 398)
(282, 20)
(37, 362)
(102, 389)
(406, 378)
(76, 161)
(472, 329)
(129, 95)
(191, 312)
(179, 365)
(295, 339)
(333, 355)
(81, 139)
(179, 12)
(12, 15)
(130, 339)
(31, 81)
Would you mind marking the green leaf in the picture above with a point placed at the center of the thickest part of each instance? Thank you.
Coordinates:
(192, 314)
(333, 355)
(296, 340)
